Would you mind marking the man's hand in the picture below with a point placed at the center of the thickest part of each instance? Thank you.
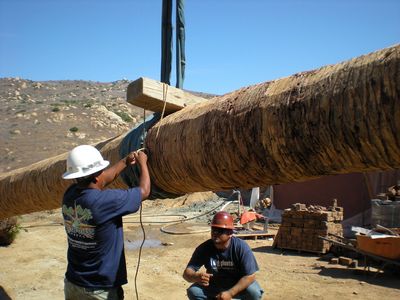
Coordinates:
(225, 295)
(136, 156)
(201, 278)
(204, 278)
(140, 157)
(130, 159)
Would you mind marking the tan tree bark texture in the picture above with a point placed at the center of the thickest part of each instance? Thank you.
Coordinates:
(338, 119)
(40, 187)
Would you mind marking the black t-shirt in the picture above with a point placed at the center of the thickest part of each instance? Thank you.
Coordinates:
(93, 222)
(227, 266)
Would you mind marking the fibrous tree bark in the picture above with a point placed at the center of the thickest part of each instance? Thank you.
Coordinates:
(338, 119)
(40, 187)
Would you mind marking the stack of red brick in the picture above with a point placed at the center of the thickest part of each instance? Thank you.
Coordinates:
(302, 226)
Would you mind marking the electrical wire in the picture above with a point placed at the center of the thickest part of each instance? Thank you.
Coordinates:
(163, 229)
(182, 217)
(140, 217)
(42, 225)
(140, 250)
(144, 237)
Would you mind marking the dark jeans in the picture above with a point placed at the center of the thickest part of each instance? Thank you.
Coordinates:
(199, 292)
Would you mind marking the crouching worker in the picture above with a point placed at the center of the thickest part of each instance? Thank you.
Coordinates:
(229, 262)
(93, 223)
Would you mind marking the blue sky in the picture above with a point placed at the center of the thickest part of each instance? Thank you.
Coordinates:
(229, 43)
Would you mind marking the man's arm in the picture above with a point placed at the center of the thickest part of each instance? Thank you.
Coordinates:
(144, 182)
(191, 275)
(140, 157)
(241, 285)
(111, 173)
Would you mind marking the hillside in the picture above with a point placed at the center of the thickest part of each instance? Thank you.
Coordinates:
(42, 119)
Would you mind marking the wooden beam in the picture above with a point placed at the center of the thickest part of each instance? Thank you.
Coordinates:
(151, 95)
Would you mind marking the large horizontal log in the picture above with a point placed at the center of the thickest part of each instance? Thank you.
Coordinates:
(338, 119)
(40, 187)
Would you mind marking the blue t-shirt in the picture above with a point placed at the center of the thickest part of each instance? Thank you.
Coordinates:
(227, 266)
(93, 222)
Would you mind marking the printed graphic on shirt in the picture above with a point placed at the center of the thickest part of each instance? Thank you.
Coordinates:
(221, 264)
(76, 221)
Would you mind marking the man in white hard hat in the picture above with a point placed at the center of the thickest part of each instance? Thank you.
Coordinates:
(93, 222)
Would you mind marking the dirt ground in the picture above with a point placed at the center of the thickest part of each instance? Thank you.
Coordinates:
(33, 266)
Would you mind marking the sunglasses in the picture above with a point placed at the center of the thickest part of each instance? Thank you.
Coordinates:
(220, 231)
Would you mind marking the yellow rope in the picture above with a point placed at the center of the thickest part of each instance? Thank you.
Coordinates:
(165, 94)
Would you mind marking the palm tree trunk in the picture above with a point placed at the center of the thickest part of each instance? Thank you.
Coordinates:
(338, 119)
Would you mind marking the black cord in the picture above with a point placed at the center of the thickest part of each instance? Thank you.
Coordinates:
(42, 225)
(140, 214)
(140, 251)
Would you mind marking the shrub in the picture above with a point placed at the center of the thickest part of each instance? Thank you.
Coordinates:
(124, 116)
(9, 228)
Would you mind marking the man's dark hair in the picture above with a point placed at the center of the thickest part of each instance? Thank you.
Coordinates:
(85, 181)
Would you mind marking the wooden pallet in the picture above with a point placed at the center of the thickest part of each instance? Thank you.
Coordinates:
(301, 250)
(254, 234)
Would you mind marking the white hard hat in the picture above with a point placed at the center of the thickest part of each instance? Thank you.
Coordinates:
(84, 160)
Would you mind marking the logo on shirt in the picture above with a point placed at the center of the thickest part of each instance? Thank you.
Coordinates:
(216, 264)
(76, 221)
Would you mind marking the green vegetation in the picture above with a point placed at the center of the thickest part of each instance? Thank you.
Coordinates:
(124, 116)
(56, 107)
(9, 228)
(74, 129)
(72, 102)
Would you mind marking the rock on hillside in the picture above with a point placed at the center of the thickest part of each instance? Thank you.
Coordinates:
(43, 119)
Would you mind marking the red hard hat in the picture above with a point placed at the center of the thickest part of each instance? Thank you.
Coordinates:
(222, 219)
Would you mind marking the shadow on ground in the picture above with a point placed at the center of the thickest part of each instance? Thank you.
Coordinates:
(386, 279)
(270, 249)
(3, 294)
(390, 277)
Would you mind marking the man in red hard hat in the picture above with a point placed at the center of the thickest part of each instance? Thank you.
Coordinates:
(229, 262)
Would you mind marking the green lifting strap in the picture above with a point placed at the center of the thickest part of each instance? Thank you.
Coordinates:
(166, 41)
(180, 43)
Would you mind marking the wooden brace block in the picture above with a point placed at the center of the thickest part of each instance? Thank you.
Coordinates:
(149, 94)
(345, 261)
(334, 261)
